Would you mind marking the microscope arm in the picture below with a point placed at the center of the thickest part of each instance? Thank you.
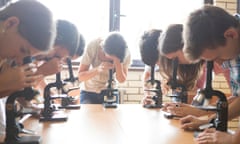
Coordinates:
(222, 112)
(70, 71)
(47, 111)
(179, 91)
(12, 127)
(154, 86)
(221, 109)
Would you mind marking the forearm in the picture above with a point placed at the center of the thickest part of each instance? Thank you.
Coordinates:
(86, 75)
(50, 67)
(145, 77)
(45, 71)
(233, 109)
(121, 73)
(41, 86)
(41, 72)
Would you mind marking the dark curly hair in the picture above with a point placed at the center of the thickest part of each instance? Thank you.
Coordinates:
(115, 44)
(148, 46)
(67, 36)
(81, 46)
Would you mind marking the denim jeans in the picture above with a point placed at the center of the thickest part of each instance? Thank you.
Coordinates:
(94, 98)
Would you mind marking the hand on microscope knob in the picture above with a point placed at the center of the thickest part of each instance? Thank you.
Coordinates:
(181, 109)
(19, 77)
(191, 122)
(105, 66)
(50, 67)
(29, 106)
(115, 60)
(165, 87)
(173, 108)
(147, 100)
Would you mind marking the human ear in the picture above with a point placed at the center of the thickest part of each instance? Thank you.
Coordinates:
(11, 22)
(231, 33)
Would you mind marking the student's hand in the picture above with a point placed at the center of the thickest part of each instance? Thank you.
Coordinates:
(181, 109)
(173, 108)
(164, 87)
(50, 67)
(16, 78)
(115, 59)
(212, 136)
(147, 100)
(104, 66)
(191, 122)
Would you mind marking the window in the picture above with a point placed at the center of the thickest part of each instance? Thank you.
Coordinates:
(92, 16)
(146, 14)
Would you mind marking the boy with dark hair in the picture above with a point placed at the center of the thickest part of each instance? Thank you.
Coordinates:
(66, 45)
(148, 46)
(81, 47)
(211, 33)
(102, 55)
(26, 29)
(115, 45)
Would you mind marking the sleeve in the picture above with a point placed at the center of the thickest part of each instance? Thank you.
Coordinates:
(147, 68)
(127, 60)
(90, 53)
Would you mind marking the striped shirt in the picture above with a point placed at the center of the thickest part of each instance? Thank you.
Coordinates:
(234, 68)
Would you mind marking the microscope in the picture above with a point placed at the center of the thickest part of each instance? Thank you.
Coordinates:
(50, 111)
(111, 99)
(221, 109)
(14, 128)
(68, 101)
(179, 91)
(154, 87)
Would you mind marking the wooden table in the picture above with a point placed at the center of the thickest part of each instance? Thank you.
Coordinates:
(127, 124)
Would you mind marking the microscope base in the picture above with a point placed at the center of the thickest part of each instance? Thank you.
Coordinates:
(26, 140)
(72, 107)
(55, 117)
(110, 105)
(152, 106)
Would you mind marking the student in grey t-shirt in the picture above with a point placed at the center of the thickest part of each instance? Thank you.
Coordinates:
(100, 56)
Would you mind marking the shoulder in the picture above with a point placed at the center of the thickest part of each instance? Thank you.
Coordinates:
(147, 68)
(127, 58)
(93, 45)
(231, 63)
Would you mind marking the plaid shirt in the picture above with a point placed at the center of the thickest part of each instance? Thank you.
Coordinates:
(234, 68)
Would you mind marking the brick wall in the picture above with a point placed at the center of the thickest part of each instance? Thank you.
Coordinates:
(133, 91)
(229, 5)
